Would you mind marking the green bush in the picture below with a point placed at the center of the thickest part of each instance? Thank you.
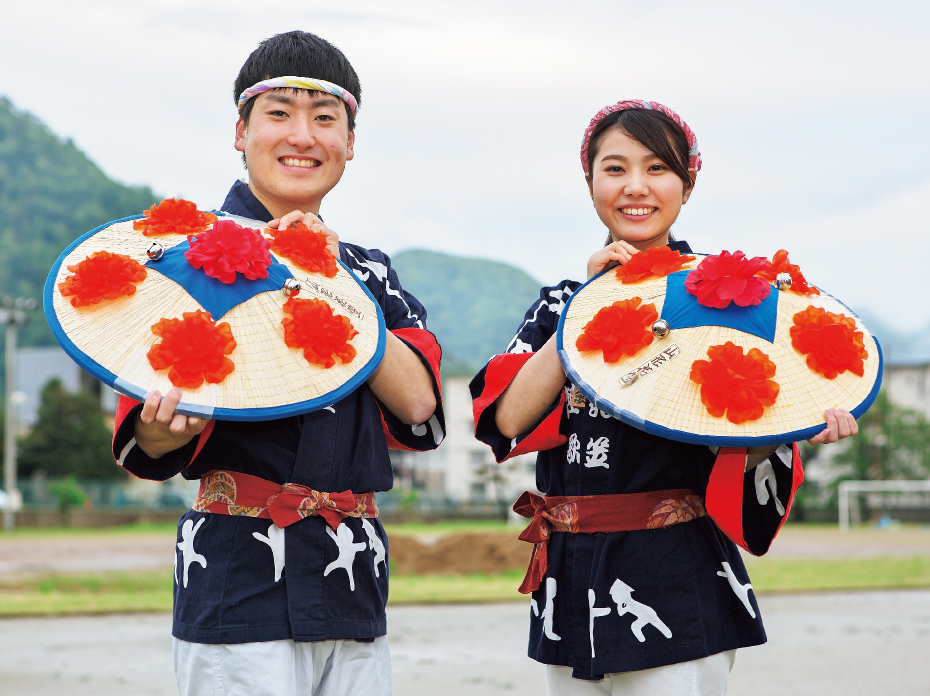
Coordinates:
(69, 439)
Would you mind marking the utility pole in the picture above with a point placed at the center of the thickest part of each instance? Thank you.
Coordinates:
(12, 314)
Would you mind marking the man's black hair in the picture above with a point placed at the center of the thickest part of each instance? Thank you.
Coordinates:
(300, 54)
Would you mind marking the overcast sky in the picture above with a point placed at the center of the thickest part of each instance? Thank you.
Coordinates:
(812, 117)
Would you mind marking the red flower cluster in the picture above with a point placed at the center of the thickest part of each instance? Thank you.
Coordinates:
(102, 276)
(736, 384)
(830, 341)
(781, 264)
(173, 216)
(194, 348)
(228, 249)
(306, 248)
(719, 280)
(656, 262)
(623, 328)
(311, 326)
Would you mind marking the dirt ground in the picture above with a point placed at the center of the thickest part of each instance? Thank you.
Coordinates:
(458, 554)
(421, 554)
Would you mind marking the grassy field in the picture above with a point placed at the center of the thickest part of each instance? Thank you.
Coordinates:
(102, 593)
(114, 592)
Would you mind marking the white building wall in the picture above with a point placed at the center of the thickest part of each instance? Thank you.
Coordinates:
(908, 386)
(460, 456)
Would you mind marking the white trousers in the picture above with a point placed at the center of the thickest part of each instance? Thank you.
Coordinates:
(705, 677)
(284, 668)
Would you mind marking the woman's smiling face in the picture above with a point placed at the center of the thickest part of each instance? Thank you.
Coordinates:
(636, 195)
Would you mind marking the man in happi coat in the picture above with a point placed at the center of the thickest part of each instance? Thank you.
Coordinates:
(296, 607)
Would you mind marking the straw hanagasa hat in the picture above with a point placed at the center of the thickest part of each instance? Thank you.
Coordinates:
(681, 368)
(261, 377)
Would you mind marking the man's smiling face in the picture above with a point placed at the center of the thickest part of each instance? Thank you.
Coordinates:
(296, 146)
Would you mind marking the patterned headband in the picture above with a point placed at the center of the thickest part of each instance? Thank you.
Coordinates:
(299, 83)
(694, 154)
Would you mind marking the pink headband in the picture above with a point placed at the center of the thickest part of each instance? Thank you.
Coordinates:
(694, 154)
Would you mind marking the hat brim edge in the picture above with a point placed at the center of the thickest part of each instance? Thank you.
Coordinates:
(693, 438)
(138, 393)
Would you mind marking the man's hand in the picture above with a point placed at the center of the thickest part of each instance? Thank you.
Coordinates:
(311, 221)
(160, 430)
(840, 424)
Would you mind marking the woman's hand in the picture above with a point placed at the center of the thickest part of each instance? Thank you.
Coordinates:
(616, 254)
(160, 430)
(311, 221)
(840, 424)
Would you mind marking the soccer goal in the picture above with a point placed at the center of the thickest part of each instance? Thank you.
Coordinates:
(849, 496)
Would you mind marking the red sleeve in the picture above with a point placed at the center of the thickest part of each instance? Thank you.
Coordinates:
(750, 507)
(423, 436)
(486, 389)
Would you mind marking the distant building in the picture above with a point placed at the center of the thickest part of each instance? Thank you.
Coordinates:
(36, 366)
(462, 470)
(909, 386)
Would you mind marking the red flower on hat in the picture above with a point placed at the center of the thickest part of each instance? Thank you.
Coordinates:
(173, 216)
(306, 248)
(193, 349)
(720, 280)
(623, 328)
(228, 249)
(311, 326)
(781, 264)
(734, 384)
(830, 341)
(656, 262)
(102, 276)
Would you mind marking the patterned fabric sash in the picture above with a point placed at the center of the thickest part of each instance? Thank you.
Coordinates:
(233, 493)
(591, 514)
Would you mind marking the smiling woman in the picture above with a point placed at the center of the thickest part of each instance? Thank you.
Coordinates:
(630, 510)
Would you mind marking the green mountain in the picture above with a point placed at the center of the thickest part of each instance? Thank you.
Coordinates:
(474, 306)
(50, 194)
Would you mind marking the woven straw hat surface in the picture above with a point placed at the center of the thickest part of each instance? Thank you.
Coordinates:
(669, 399)
(116, 334)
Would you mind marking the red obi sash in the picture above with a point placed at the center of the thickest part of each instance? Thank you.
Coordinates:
(591, 514)
(233, 493)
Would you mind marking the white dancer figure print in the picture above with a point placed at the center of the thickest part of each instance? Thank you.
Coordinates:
(275, 541)
(348, 547)
(559, 297)
(741, 591)
(420, 429)
(597, 453)
(766, 474)
(186, 546)
(574, 446)
(621, 593)
(570, 408)
(549, 610)
(594, 613)
(375, 544)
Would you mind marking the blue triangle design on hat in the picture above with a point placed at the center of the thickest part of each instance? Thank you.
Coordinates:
(213, 295)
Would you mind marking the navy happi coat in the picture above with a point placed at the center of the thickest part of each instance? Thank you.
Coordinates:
(628, 601)
(241, 579)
